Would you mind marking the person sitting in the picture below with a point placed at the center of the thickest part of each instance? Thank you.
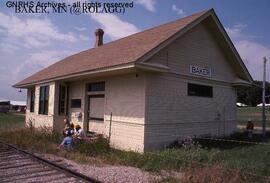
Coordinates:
(79, 133)
(72, 130)
(67, 127)
(67, 142)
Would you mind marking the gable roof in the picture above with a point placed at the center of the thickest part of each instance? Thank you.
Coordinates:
(121, 52)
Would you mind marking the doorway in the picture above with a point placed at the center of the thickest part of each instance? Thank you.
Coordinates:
(96, 113)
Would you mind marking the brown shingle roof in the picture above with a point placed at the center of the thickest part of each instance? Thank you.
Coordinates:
(122, 51)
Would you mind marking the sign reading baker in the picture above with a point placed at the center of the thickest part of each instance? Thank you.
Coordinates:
(201, 71)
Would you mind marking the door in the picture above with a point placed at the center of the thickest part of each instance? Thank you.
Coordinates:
(96, 113)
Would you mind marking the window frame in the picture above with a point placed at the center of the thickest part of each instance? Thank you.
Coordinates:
(75, 107)
(63, 100)
(44, 100)
(96, 87)
(202, 90)
(32, 100)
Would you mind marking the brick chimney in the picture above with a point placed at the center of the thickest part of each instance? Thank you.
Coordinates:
(99, 37)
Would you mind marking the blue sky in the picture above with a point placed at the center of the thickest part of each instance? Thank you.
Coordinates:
(30, 42)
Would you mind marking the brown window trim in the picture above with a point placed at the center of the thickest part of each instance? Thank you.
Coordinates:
(32, 100)
(44, 100)
(63, 100)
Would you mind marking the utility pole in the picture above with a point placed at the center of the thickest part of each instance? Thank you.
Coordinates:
(263, 97)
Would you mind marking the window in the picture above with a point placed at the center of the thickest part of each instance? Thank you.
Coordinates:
(32, 100)
(62, 100)
(43, 100)
(76, 103)
(96, 87)
(200, 90)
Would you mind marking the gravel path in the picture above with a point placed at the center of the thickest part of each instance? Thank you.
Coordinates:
(111, 174)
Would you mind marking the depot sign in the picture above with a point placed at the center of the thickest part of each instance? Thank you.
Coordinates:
(201, 71)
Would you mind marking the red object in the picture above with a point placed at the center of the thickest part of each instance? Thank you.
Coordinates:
(250, 126)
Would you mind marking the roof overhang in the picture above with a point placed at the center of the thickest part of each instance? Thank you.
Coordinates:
(95, 72)
(119, 69)
(241, 83)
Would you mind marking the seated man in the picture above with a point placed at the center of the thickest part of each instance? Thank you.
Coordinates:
(79, 133)
(67, 142)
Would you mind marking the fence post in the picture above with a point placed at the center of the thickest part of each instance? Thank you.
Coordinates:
(263, 98)
(110, 129)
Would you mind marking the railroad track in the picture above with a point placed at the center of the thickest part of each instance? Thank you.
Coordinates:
(17, 165)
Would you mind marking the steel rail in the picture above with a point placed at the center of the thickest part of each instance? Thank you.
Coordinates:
(52, 164)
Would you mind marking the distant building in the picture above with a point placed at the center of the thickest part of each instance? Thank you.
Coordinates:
(4, 105)
(7, 105)
(19, 106)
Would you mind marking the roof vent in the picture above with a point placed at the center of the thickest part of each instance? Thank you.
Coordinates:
(99, 37)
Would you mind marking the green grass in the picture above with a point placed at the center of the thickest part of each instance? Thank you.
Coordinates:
(246, 158)
(10, 120)
(253, 113)
(243, 157)
(252, 109)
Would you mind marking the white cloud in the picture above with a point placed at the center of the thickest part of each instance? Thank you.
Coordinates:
(84, 38)
(28, 44)
(236, 32)
(252, 53)
(32, 32)
(178, 10)
(8, 48)
(148, 4)
(113, 26)
(80, 29)
(39, 60)
(250, 50)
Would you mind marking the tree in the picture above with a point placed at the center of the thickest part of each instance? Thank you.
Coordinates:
(253, 96)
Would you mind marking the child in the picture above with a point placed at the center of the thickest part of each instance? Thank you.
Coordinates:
(67, 142)
(72, 130)
(79, 133)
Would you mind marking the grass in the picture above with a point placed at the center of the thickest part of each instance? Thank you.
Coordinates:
(254, 113)
(232, 157)
(9, 120)
(246, 158)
